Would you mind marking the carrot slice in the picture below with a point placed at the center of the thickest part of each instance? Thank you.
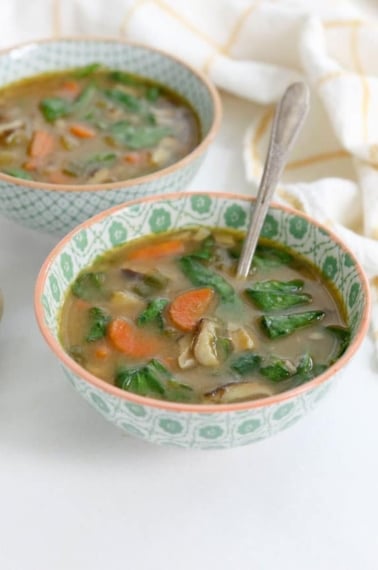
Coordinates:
(58, 177)
(30, 165)
(126, 338)
(102, 351)
(42, 144)
(188, 308)
(162, 249)
(135, 157)
(72, 87)
(82, 131)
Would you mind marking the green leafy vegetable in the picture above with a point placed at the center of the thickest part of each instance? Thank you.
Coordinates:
(153, 313)
(245, 362)
(307, 369)
(145, 284)
(84, 98)
(153, 380)
(343, 336)
(269, 257)
(89, 165)
(54, 107)
(129, 101)
(275, 295)
(124, 77)
(283, 325)
(277, 370)
(200, 275)
(138, 137)
(98, 322)
(89, 286)
(152, 93)
(87, 70)
(224, 348)
(18, 173)
(205, 250)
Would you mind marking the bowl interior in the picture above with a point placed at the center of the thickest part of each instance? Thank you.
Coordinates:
(36, 58)
(110, 229)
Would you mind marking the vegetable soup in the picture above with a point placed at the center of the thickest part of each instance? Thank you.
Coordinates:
(91, 126)
(165, 317)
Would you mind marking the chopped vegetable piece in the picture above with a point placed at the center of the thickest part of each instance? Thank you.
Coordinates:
(153, 313)
(283, 325)
(102, 350)
(87, 70)
(200, 275)
(245, 362)
(82, 131)
(76, 352)
(130, 101)
(343, 335)
(98, 322)
(90, 165)
(71, 87)
(137, 137)
(205, 250)
(123, 77)
(89, 286)
(145, 284)
(42, 144)
(152, 94)
(238, 392)
(55, 107)
(153, 380)
(267, 256)
(133, 342)
(278, 370)
(84, 98)
(189, 307)
(276, 295)
(224, 348)
(162, 249)
(18, 173)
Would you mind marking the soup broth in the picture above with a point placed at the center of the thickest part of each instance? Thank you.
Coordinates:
(92, 126)
(164, 316)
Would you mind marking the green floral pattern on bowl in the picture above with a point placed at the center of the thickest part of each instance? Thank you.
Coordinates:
(57, 210)
(195, 428)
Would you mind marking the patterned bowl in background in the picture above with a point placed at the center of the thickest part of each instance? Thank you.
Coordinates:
(58, 208)
(188, 425)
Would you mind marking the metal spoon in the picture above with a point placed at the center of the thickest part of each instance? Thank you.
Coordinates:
(288, 120)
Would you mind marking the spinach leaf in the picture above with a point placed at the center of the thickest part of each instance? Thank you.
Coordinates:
(265, 257)
(343, 336)
(84, 98)
(123, 77)
(275, 295)
(153, 313)
(86, 70)
(89, 165)
(245, 362)
(277, 370)
(307, 369)
(200, 275)
(98, 323)
(205, 250)
(89, 286)
(18, 173)
(152, 93)
(53, 108)
(145, 284)
(138, 137)
(153, 380)
(224, 348)
(283, 325)
(120, 97)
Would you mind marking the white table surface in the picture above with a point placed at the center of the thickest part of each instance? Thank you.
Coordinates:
(76, 493)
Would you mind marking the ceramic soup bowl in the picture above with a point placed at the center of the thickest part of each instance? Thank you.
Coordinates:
(58, 208)
(187, 425)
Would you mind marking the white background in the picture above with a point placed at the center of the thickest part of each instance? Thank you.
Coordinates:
(78, 494)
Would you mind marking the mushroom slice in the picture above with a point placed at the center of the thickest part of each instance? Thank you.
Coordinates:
(238, 392)
(201, 234)
(240, 337)
(204, 344)
(11, 126)
(186, 359)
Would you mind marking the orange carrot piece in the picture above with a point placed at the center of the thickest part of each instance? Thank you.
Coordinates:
(162, 249)
(58, 177)
(30, 165)
(82, 131)
(72, 87)
(42, 144)
(134, 157)
(102, 351)
(188, 308)
(126, 338)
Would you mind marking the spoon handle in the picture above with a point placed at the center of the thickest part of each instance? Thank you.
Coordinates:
(288, 119)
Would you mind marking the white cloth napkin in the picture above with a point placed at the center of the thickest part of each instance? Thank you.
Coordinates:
(254, 49)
